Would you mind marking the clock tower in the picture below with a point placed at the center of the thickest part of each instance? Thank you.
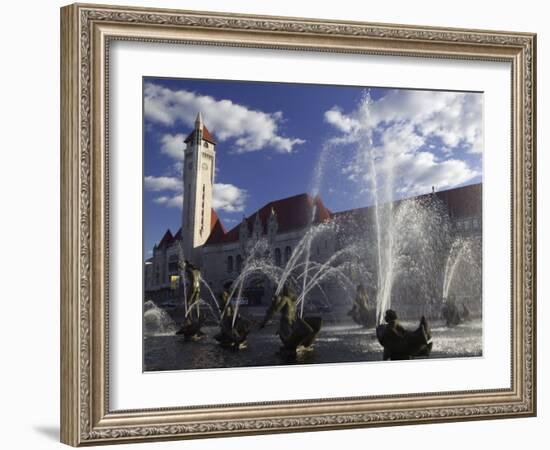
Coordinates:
(198, 184)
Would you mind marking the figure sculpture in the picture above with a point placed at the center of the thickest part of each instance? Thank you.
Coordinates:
(233, 329)
(451, 312)
(360, 312)
(193, 321)
(399, 343)
(293, 331)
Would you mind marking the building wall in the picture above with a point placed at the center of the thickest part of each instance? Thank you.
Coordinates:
(217, 268)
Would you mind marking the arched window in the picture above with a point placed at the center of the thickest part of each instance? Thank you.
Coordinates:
(229, 264)
(278, 257)
(288, 252)
(239, 263)
(173, 264)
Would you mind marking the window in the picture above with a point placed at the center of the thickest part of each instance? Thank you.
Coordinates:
(239, 263)
(174, 281)
(229, 264)
(278, 257)
(288, 252)
(206, 144)
(476, 223)
(173, 265)
(467, 225)
(188, 206)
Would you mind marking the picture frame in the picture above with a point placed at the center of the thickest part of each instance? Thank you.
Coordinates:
(87, 32)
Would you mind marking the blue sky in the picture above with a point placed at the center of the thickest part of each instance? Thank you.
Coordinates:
(271, 138)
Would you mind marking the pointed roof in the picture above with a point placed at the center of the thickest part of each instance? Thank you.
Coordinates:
(198, 121)
(167, 239)
(206, 135)
(292, 213)
(217, 230)
(216, 227)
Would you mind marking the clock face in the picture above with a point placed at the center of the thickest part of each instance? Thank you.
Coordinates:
(204, 166)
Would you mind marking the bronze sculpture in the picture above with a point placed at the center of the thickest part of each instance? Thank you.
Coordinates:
(233, 327)
(293, 331)
(193, 320)
(399, 343)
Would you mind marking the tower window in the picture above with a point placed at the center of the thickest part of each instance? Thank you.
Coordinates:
(288, 252)
(278, 256)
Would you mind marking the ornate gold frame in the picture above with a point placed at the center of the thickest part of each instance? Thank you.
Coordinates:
(86, 31)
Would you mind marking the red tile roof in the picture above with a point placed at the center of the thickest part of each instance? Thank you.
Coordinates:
(217, 230)
(465, 201)
(206, 135)
(292, 213)
(216, 226)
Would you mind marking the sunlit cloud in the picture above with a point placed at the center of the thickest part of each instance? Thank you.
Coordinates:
(248, 130)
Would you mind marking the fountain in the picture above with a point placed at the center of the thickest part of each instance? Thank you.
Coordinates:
(156, 321)
(300, 271)
(461, 273)
(406, 240)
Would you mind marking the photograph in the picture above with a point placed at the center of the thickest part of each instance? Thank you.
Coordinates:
(289, 223)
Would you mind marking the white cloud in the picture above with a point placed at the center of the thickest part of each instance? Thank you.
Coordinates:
(156, 184)
(251, 130)
(173, 146)
(175, 201)
(344, 123)
(225, 197)
(454, 117)
(398, 132)
(228, 198)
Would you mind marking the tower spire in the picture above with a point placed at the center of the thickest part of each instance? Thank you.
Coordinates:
(198, 121)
